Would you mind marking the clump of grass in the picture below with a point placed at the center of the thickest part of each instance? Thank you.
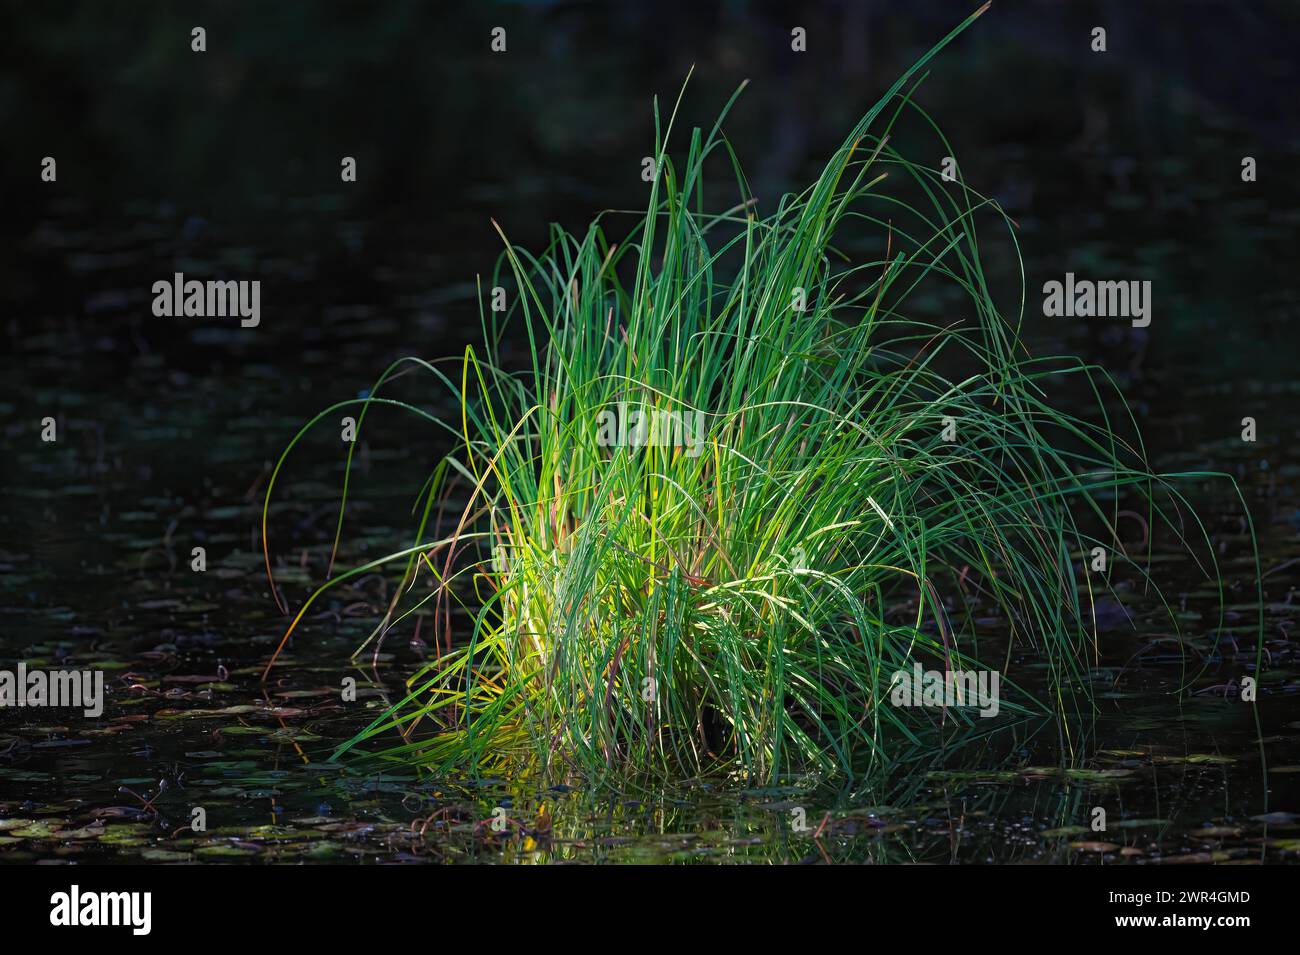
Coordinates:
(730, 597)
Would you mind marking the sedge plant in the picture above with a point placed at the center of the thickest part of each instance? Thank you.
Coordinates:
(739, 483)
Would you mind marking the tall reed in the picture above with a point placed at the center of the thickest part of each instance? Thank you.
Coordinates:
(724, 589)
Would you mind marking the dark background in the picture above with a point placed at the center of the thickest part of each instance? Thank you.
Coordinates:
(226, 164)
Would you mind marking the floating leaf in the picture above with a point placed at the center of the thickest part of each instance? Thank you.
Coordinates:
(1095, 846)
(1065, 831)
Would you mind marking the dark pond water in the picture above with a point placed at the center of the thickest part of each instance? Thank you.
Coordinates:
(97, 537)
(167, 433)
